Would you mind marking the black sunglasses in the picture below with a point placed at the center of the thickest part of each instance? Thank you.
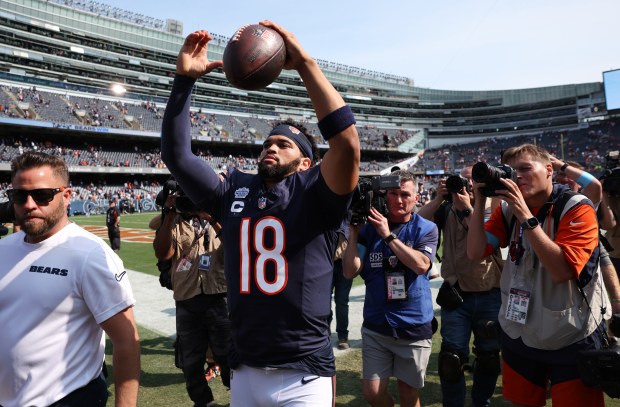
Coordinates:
(41, 196)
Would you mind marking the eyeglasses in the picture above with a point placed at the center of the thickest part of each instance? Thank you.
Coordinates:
(41, 196)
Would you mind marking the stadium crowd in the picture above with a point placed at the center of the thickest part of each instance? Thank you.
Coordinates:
(588, 146)
(64, 108)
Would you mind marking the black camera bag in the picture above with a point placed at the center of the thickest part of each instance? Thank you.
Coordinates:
(601, 368)
(449, 296)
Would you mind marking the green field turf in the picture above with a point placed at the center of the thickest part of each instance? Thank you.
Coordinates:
(162, 384)
(136, 256)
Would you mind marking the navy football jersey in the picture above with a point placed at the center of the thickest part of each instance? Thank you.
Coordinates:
(279, 246)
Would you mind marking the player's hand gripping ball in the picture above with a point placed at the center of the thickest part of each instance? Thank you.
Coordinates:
(254, 57)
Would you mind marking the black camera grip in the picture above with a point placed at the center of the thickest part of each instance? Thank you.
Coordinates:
(614, 325)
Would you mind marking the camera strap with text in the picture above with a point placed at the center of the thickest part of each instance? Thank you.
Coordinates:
(188, 256)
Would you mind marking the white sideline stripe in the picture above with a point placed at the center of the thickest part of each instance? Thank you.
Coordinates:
(156, 311)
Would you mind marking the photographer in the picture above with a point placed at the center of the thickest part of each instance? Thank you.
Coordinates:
(610, 208)
(469, 297)
(572, 174)
(189, 238)
(609, 215)
(550, 284)
(393, 254)
(341, 289)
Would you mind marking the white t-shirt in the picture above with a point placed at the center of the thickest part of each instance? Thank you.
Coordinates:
(53, 296)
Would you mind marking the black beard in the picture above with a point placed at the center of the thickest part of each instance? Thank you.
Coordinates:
(277, 172)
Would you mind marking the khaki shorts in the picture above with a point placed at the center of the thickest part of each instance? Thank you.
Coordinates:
(384, 356)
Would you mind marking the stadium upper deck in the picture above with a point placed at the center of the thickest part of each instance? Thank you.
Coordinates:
(81, 48)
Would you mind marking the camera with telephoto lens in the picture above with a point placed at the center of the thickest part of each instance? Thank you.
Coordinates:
(611, 177)
(490, 175)
(182, 202)
(370, 193)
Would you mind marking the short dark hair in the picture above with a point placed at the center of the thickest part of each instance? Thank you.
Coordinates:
(34, 159)
(407, 176)
(315, 150)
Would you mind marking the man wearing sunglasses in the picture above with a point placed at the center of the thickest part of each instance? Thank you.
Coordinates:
(60, 289)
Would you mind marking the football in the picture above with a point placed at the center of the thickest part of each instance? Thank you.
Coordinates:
(254, 57)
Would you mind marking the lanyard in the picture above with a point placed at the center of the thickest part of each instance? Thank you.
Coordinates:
(541, 216)
(201, 227)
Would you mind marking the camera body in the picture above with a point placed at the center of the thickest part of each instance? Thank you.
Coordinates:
(611, 177)
(182, 202)
(611, 182)
(601, 368)
(490, 175)
(7, 213)
(455, 183)
(370, 193)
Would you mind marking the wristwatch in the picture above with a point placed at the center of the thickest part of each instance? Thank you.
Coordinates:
(530, 223)
(389, 239)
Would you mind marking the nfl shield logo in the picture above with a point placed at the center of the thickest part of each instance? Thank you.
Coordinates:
(393, 260)
(262, 202)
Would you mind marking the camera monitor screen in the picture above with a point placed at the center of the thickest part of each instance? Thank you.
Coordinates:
(611, 82)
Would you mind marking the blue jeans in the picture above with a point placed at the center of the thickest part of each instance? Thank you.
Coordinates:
(456, 329)
(341, 286)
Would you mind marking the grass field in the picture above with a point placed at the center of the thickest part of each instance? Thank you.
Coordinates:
(162, 384)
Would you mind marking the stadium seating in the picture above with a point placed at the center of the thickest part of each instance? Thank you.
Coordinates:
(56, 76)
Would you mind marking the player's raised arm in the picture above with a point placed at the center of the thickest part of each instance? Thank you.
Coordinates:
(194, 175)
(340, 165)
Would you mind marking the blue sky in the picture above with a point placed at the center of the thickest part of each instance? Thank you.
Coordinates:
(442, 44)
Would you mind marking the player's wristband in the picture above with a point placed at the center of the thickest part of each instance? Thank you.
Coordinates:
(584, 179)
(563, 167)
(336, 121)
